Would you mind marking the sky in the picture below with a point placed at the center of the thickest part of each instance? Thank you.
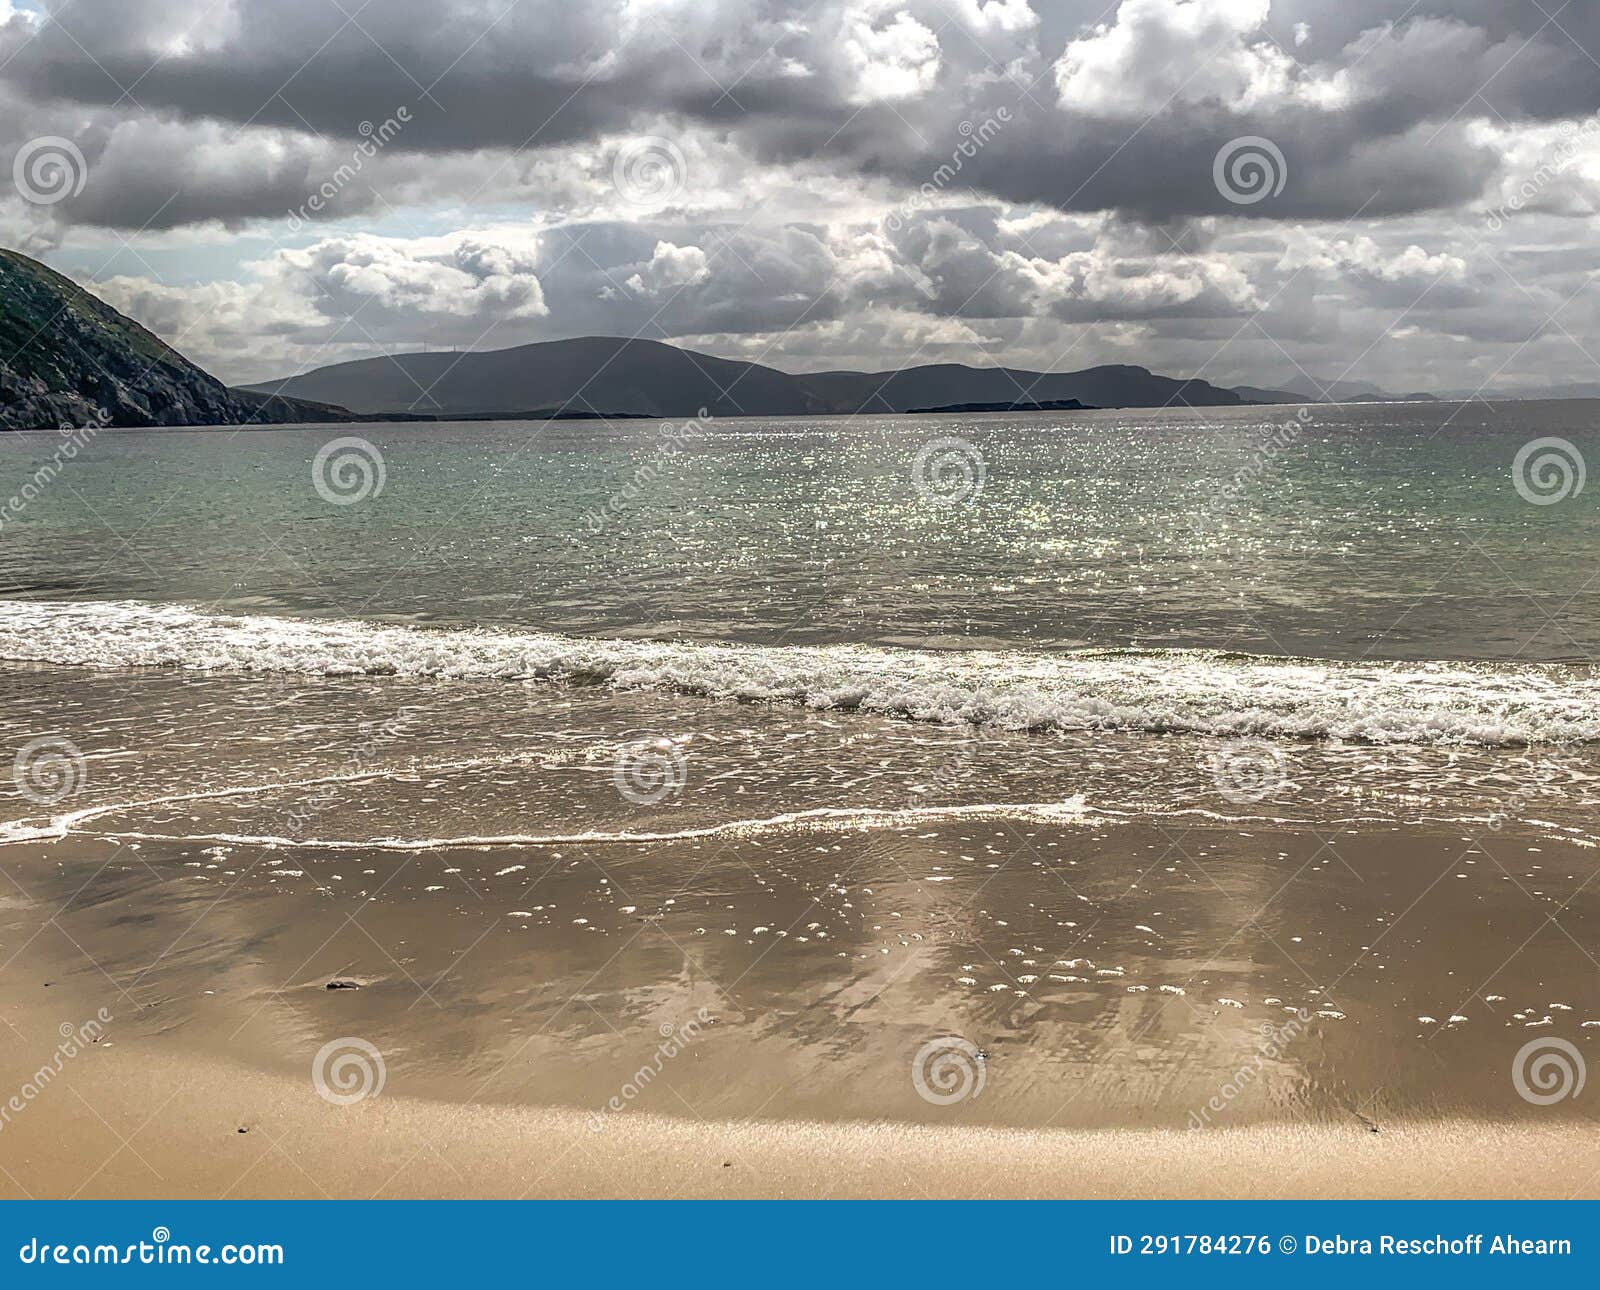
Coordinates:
(1401, 192)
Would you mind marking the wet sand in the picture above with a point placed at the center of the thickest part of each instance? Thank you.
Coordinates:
(1111, 1011)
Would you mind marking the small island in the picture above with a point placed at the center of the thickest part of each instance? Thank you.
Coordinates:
(1044, 405)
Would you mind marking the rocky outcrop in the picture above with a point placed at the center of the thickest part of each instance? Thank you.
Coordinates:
(69, 359)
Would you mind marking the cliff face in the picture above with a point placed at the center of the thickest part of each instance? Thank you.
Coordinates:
(69, 359)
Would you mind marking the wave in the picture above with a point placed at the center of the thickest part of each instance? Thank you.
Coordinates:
(821, 819)
(1161, 691)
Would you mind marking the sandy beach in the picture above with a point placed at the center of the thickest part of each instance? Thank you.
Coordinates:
(126, 1125)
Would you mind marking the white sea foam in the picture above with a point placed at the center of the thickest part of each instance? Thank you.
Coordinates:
(1069, 811)
(1202, 692)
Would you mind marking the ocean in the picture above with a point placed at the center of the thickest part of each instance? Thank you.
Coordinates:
(1084, 759)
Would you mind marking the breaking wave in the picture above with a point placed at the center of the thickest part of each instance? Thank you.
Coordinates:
(1189, 691)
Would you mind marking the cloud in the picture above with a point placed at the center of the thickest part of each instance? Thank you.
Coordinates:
(382, 278)
(897, 58)
(670, 267)
(1143, 95)
(838, 196)
(1157, 54)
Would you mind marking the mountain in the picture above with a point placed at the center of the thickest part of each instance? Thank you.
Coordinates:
(1531, 394)
(1308, 389)
(613, 375)
(943, 384)
(69, 359)
(1257, 395)
(1049, 405)
(594, 374)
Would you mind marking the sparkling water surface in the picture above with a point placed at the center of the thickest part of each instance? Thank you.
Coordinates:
(1379, 531)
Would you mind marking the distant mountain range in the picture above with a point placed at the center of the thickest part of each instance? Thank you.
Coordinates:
(1312, 390)
(602, 374)
(1587, 390)
(69, 359)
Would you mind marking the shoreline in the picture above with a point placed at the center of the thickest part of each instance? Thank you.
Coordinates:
(502, 1006)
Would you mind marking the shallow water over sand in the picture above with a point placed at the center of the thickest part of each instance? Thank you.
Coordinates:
(1125, 977)
(1089, 801)
(816, 897)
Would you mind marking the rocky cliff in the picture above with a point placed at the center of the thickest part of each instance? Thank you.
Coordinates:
(69, 359)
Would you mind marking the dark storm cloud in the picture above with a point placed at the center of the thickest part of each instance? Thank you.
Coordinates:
(476, 75)
(1366, 100)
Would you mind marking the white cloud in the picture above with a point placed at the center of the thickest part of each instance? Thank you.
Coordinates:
(1157, 53)
(1363, 256)
(380, 279)
(670, 268)
(1552, 169)
(1103, 284)
(898, 59)
(27, 20)
(998, 15)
